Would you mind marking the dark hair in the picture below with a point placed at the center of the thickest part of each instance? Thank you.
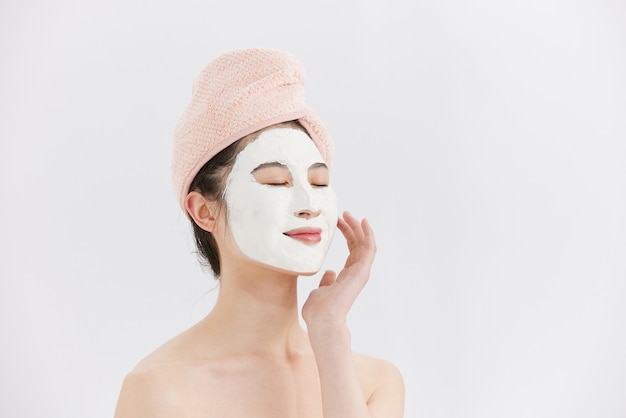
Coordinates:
(211, 183)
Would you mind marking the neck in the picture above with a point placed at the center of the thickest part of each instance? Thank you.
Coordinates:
(257, 312)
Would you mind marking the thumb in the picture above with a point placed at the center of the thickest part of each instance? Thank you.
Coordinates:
(328, 278)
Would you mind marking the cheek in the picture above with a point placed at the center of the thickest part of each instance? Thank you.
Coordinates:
(328, 204)
(255, 205)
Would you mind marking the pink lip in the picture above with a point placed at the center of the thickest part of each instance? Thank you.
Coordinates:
(306, 235)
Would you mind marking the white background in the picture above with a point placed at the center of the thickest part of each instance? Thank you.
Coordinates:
(484, 140)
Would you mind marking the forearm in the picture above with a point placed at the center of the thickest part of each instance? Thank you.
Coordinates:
(341, 391)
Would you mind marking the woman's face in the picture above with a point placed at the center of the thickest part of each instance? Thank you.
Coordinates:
(282, 211)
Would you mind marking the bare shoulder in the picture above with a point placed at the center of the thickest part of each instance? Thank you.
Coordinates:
(151, 390)
(375, 372)
(374, 366)
(382, 384)
(154, 388)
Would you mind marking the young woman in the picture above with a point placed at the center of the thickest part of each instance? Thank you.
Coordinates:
(251, 170)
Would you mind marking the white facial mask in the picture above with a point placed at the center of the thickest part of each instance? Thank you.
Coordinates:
(260, 215)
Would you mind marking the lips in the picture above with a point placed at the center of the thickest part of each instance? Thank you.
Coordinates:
(305, 235)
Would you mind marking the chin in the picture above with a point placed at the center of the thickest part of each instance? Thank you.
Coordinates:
(291, 271)
(311, 273)
(295, 272)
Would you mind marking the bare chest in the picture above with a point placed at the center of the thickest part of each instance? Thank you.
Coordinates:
(255, 389)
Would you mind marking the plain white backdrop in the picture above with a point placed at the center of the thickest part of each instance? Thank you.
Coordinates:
(484, 140)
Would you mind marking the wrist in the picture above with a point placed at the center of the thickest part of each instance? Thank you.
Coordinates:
(325, 334)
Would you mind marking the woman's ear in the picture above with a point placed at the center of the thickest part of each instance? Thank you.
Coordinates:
(203, 212)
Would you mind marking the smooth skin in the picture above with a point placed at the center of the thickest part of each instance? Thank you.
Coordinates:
(249, 357)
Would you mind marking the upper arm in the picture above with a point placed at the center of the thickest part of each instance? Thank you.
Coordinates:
(387, 400)
(148, 395)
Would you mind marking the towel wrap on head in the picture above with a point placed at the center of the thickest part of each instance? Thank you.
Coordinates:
(239, 93)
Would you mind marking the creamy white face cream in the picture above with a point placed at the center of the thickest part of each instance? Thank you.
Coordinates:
(282, 210)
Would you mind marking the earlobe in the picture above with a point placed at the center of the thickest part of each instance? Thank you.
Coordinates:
(202, 211)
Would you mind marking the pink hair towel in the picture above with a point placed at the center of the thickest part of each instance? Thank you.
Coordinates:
(239, 93)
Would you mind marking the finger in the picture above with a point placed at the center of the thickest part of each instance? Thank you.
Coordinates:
(345, 228)
(368, 234)
(362, 251)
(353, 223)
(328, 278)
(359, 236)
(351, 229)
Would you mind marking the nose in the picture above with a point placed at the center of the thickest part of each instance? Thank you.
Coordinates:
(307, 213)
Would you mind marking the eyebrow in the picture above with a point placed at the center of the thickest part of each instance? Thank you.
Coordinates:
(266, 165)
(281, 165)
(318, 165)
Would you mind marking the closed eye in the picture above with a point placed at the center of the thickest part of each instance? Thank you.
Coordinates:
(272, 174)
(318, 175)
(274, 184)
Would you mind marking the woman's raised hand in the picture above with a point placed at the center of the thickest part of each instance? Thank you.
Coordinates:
(328, 305)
